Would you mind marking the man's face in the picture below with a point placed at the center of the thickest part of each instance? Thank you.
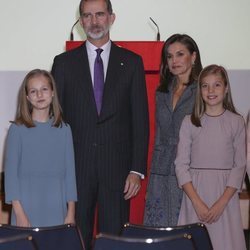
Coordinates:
(96, 20)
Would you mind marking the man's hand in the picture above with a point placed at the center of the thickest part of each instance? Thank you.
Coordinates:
(132, 186)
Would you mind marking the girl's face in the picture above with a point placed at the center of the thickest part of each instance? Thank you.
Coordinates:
(40, 93)
(180, 60)
(213, 91)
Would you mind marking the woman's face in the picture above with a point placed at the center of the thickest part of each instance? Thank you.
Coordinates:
(180, 60)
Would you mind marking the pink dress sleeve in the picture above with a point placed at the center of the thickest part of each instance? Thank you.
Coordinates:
(182, 161)
(239, 143)
(248, 147)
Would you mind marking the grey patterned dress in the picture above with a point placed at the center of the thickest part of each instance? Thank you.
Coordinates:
(163, 199)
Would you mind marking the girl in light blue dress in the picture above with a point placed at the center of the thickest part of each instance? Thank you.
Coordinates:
(39, 162)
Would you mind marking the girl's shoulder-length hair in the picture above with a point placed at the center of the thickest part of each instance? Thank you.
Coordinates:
(200, 106)
(24, 107)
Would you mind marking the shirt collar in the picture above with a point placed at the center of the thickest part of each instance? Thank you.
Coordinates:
(92, 48)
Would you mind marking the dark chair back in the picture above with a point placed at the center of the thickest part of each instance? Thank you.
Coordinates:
(63, 237)
(176, 242)
(197, 230)
(18, 242)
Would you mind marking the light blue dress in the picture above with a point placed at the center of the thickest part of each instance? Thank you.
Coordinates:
(40, 172)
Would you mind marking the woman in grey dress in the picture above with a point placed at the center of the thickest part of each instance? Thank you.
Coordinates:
(180, 67)
(39, 162)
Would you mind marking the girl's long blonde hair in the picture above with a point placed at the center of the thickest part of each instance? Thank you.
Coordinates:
(200, 106)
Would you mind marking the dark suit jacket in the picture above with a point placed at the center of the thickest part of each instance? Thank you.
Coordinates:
(116, 141)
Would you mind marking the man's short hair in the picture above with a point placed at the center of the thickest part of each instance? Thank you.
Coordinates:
(108, 3)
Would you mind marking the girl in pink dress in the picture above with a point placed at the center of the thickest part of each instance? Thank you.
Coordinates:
(211, 162)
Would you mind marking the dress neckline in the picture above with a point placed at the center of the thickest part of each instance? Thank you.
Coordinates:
(49, 122)
(216, 115)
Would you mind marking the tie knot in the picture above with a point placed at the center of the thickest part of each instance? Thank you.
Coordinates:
(99, 51)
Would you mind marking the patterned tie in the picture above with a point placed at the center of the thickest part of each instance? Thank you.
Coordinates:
(98, 80)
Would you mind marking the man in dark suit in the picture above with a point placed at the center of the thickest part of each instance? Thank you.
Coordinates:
(111, 142)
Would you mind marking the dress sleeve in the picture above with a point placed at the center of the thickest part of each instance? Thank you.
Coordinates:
(71, 193)
(11, 164)
(248, 147)
(182, 161)
(237, 173)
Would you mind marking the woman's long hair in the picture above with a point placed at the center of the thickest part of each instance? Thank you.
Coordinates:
(165, 75)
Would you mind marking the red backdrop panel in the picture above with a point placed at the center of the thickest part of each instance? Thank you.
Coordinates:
(150, 52)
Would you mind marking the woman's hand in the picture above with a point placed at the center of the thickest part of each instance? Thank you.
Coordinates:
(21, 217)
(22, 220)
(70, 217)
(215, 211)
(218, 207)
(199, 205)
(201, 210)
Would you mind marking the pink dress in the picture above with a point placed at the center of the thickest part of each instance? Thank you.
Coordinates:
(213, 157)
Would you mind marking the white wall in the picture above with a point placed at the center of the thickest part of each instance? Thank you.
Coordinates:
(32, 32)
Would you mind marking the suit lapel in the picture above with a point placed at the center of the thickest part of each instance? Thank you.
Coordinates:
(186, 95)
(83, 68)
(85, 80)
(166, 99)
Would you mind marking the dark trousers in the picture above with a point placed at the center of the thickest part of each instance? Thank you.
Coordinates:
(113, 210)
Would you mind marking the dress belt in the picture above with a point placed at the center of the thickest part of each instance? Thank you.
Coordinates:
(212, 168)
